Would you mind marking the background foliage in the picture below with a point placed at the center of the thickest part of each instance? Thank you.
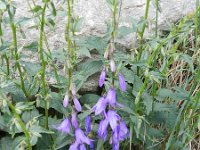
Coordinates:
(161, 104)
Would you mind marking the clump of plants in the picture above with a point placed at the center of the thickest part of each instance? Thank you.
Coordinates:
(148, 97)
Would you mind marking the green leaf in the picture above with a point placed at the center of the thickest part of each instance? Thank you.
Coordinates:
(53, 9)
(32, 46)
(123, 31)
(84, 52)
(86, 70)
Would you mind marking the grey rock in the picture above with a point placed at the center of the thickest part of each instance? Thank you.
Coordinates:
(95, 14)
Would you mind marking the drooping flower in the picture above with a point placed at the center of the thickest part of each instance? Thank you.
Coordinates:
(102, 129)
(111, 97)
(100, 106)
(122, 82)
(102, 78)
(64, 127)
(88, 125)
(77, 104)
(82, 147)
(66, 99)
(112, 65)
(74, 146)
(123, 131)
(80, 137)
(113, 119)
(74, 120)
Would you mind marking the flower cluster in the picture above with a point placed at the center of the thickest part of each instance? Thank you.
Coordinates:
(80, 137)
(110, 117)
(65, 127)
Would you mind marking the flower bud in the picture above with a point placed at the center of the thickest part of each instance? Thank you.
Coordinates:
(102, 78)
(122, 82)
(66, 99)
(112, 65)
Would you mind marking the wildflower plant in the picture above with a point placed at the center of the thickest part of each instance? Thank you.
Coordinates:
(144, 97)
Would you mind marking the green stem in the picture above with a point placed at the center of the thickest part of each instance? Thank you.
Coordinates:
(143, 28)
(7, 65)
(197, 24)
(14, 33)
(68, 39)
(21, 123)
(157, 9)
(43, 64)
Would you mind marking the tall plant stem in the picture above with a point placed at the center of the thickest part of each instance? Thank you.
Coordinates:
(197, 24)
(41, 52)
(68, 39)
(157, 9)
(21, 123)
(143, 28)
(15, 53)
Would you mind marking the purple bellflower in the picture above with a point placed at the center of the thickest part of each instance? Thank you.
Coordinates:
(74, 146)
(102, 129)
(122, 82)
(111, 97)
(80, 137)
(74, 120)
(88, 125)
(123, 131)
(82, 147)
(113, 119)
(64, 127)
(102, 78)
(77, 104)
(100, 106)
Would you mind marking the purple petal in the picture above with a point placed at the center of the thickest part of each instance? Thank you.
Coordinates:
(64, 127)
(87, 125)
(111, 97)
(102, 129)
(100, 106)
(80, 137)
(91, 145)
(113, 119)
(74, 120)
(74, 146)
(116, 145)
(102, 78)
(112, 65)
(122, 82)
(66, 100)
(77, 104)
(82, 147)
(123, 131)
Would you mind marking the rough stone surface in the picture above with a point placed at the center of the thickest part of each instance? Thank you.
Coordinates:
(95, 14)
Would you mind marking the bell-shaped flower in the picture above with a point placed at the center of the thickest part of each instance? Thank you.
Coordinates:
(100, 106)
(88, 125)
(74, 146)
(112, 65)
(111, 97)
(113, 119)
(102, 129)
(64, 127)
(123, 131)
(74, 120)
(102, 78)
(77, 104)
(80, 137)
(122, 82)
(82, 147)
(66, 99)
